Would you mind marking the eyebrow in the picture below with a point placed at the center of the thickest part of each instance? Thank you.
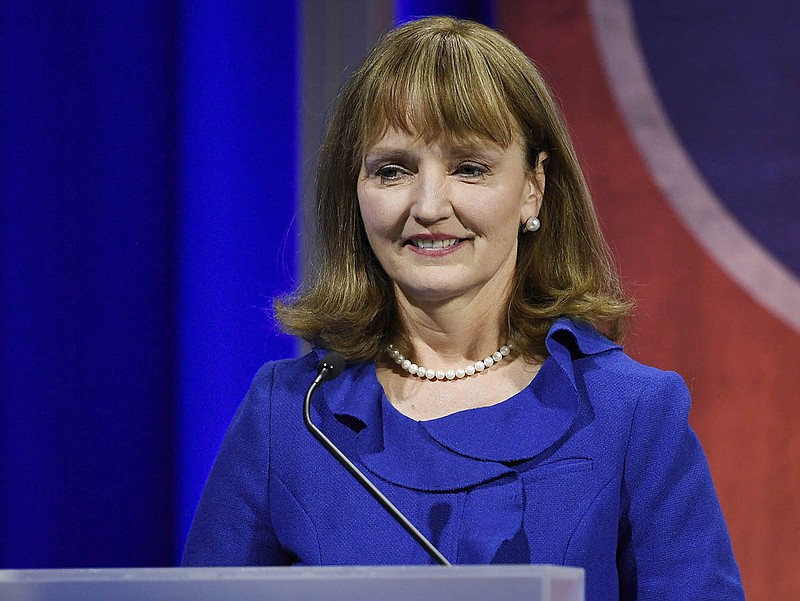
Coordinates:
(450, 151)
(490, 151)
(379, 155)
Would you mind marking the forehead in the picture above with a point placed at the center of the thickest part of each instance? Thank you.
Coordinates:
(394, 140)
(432, 129)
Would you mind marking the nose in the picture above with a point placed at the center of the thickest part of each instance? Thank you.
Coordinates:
(431, 200)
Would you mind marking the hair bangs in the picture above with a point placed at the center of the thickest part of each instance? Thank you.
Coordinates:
(439, 90)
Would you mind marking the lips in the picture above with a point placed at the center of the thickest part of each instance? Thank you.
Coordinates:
(447, 242)
(433, 243)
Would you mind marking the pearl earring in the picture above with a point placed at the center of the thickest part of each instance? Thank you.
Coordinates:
(532, 224)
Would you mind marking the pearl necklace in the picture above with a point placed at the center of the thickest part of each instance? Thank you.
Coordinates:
(450, 374)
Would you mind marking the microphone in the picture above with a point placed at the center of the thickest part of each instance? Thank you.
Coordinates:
(329, 368)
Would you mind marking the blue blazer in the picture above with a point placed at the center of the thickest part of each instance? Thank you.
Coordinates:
(593, 465)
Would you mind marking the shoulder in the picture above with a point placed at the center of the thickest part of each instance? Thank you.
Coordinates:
(290, 378)
(604, 366)
(622, 375)
(280, 375)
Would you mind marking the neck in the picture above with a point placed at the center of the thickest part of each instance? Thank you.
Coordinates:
(451, 332)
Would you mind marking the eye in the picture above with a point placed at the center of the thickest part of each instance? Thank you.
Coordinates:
(470, 170)
(390, 173)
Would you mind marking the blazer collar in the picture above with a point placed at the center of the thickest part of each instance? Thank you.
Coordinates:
(469, 447)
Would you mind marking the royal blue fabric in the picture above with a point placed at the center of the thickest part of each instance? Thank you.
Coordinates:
(593, 465)
(147, 199)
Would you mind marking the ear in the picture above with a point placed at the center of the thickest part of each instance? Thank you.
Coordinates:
(534, 189)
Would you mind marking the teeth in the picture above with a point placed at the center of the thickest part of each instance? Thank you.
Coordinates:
(435, 243)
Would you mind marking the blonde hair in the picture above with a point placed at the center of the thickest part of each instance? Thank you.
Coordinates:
(460, 80)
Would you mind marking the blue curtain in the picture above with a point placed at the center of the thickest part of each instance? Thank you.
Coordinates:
(147, 179)
(148, 186)
(482, 11)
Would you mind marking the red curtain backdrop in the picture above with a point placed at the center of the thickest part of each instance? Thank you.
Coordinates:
(739, 360)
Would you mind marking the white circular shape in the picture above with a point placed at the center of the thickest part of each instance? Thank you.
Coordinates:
(532, 224)
(440, 374)
(488, 362)
(469, 370)
(405, 364)
(479, 366)
(460, 373)
(412, 369)
(497, 356)
(505, 351)
(450, 374)
(430, 374)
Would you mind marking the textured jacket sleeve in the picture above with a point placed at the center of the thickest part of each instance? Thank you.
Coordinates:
(673, 542)
(232, 526)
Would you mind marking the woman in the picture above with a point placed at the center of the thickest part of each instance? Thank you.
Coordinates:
(464, 277)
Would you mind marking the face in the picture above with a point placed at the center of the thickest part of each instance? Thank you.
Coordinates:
(443, 218)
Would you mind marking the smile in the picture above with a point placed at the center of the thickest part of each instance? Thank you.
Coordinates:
(420, 243)
(433, 246)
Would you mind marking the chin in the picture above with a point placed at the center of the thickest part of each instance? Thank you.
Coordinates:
(437, 291)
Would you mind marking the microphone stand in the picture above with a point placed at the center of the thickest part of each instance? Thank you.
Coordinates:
(327, 372)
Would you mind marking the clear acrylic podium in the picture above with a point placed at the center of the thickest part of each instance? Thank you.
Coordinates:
(397, 583)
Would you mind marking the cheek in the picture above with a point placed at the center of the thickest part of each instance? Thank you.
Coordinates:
(370, 216)
(379, 218)
(497, 217)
